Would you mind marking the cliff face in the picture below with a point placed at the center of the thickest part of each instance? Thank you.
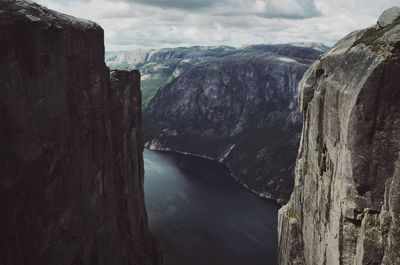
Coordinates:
(345, 208)
(71, 166)
(240, 110)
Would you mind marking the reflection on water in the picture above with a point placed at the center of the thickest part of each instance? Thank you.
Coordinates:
(201, 216)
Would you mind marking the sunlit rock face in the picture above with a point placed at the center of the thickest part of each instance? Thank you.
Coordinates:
(241, 110)
(345, 208)
(71, 166)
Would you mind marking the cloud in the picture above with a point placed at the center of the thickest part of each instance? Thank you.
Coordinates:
(179, 4)
(131, 24)
(266, 8)
(290, 9)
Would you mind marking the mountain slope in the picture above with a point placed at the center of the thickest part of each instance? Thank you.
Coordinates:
(240, 110)
(345, 205)
(160, 67)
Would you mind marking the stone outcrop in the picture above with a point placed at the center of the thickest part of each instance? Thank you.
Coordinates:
(240, 110)
(71, 165)
(345, 208)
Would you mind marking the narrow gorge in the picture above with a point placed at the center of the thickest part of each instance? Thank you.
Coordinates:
(71, 146)
(312, 128)
(345, 208)
(240, 110)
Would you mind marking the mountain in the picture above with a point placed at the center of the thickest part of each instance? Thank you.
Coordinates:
(71, 163)
(345, 208)
(160, 67)
(240, 110)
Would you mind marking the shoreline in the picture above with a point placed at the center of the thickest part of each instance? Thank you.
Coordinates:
(265, 196)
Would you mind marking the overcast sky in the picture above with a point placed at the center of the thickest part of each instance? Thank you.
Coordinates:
(131, 24)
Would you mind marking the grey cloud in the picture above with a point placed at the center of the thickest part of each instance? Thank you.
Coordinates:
(289, 9)
(309, 7)
(273, 8)
(179, 4)
(175, 10)
(133, 24)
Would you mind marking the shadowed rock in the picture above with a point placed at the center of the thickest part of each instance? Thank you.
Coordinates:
(71, 166)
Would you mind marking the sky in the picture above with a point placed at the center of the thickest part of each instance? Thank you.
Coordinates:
(132, 24)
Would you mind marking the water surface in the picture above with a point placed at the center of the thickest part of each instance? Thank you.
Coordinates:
(201, 215)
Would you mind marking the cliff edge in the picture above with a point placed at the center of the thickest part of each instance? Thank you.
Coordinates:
(71, 165)
(345, 208)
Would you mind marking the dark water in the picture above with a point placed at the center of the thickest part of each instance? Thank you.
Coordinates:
(201, 216)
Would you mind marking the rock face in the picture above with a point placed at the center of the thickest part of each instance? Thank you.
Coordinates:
(71, 166)
(240, 110)
(345, 208)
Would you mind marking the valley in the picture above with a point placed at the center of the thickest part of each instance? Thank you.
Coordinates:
(260, 154)
(237, 106)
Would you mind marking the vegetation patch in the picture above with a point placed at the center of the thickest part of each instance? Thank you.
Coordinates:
(290, 213)
(151, 86)
(371, 35)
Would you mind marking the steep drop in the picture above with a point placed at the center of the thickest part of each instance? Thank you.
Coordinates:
(345, 205)
(71, 164)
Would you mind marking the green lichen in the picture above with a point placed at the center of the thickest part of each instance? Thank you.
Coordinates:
(305, 168)
(373, 234)
(290, 213)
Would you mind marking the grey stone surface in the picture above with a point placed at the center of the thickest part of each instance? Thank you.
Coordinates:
(389, 16)
(345, 205)
(71, 165)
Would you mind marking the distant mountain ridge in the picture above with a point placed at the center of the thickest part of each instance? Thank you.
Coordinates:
(138, 57)
(160, 66)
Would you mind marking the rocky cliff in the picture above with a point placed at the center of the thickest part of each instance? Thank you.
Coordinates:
(345, 208)
(71, 166)
(240, 110)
